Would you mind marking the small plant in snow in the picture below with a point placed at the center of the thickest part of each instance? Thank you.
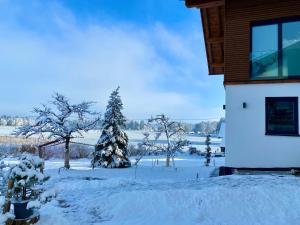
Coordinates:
(111, 149)
(27, 180)
(26, 175)
(207, 150)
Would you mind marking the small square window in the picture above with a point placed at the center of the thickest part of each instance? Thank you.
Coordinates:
(282, 116)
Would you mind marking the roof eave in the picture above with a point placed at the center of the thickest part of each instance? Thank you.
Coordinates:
(204, 3)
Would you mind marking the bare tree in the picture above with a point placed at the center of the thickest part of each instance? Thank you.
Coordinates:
(63, 123)
(171, 130)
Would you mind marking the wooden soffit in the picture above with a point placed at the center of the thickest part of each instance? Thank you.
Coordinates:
(213, 23)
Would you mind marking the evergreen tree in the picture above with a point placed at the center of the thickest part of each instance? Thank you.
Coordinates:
(111, 149)
(208, 150)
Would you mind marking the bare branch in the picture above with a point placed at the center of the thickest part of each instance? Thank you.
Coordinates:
(173, 132)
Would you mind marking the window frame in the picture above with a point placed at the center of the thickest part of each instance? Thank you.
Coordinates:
(295, 101)
(279, 22)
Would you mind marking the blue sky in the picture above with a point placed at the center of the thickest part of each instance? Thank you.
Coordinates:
(84, 49)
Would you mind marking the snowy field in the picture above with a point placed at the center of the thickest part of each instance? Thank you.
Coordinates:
(167, 196)
(135, 137)
(6, 130)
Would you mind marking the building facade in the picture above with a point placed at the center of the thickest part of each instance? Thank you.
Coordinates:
(256, 45)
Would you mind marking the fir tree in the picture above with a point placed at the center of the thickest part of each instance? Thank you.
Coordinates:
(111, 149)
(208, 150)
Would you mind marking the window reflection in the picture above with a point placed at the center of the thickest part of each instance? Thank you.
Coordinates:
(291, 48)
(275, 50)
(265, 51)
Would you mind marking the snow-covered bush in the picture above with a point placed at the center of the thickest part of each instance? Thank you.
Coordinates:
(111, 149)
(77, 151)
(193, 150)
(43, 198)
(3, 180)
(27, 180)
(26, 175)
(136, 150)
(2, 201)
(207, 150)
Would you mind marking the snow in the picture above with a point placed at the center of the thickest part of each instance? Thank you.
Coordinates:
(6, 130)
(135, 137)
(33, 204)
(120, 196)
(153, 194)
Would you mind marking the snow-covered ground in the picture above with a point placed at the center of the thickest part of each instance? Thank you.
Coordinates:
(154, 194)
(150, 194)
(6, 130)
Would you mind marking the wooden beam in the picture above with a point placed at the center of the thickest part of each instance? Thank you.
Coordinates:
(214, 71)
(204, 3)
(217, 64)
(220, 21)
(215, 40)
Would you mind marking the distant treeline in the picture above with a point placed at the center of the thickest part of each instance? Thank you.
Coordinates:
(204, 127)
(15, 120)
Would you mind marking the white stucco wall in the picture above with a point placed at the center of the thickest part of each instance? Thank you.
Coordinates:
(221, 134)
(246, 142)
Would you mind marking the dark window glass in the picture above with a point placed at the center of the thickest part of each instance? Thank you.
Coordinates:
(291, 48)
(275, 50)
(264, 55)
(282, 116)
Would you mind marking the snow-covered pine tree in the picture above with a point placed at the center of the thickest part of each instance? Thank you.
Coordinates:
(111, 149)
(208, 150)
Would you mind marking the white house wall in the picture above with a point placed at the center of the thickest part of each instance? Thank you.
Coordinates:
(246, 142)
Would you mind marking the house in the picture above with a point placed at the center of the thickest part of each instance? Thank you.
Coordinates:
(255, 44)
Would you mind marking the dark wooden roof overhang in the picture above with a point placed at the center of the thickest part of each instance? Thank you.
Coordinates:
(213, 23)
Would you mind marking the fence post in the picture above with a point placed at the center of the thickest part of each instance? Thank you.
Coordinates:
(8, 196)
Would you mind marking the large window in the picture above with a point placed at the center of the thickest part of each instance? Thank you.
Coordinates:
(282, 116)
(291, 49)
(265, 51)
(275, 50)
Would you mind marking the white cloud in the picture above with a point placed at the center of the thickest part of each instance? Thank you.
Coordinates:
(88, 61)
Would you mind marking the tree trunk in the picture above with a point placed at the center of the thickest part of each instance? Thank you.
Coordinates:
(40, 152)
(67, 153)
(169, 145)
(41, 155)
(168, 160)
(173, 160)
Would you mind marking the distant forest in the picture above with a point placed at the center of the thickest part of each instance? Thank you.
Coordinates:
(203, 127)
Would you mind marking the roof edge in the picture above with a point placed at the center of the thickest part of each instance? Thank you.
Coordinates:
(203, 3)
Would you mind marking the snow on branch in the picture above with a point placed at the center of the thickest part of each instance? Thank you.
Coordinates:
(173, 132)
(61, 121)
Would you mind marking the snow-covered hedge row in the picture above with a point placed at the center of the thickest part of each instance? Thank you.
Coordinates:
(77, 151)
